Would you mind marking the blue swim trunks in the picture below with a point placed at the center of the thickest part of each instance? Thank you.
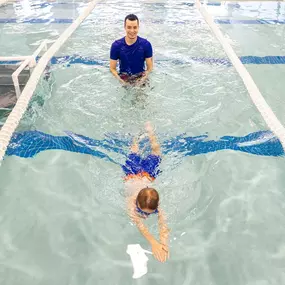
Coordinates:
(135, 164)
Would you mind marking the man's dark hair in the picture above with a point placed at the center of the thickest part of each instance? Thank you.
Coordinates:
(131, 17)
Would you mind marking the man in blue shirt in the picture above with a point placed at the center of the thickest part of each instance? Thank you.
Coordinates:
(132, 52)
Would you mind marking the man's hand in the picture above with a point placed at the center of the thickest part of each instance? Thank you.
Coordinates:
(113, 64)
(160, 251)
(142, 80)
(124, 83)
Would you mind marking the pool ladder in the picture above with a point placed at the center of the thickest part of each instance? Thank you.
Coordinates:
(15, 72)
(8, 96)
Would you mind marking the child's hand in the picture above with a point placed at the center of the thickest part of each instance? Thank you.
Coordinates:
(160, 251)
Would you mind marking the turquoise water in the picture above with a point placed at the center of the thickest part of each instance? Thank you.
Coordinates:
(63, 218)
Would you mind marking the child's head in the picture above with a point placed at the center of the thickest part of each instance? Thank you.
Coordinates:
(148, 199)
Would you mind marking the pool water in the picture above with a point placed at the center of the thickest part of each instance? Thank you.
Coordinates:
(63, 218)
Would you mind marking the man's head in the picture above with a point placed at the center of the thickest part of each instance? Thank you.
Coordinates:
(148, 200)
(131, 26)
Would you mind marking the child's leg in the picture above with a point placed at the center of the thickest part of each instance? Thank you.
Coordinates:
(135, 146)
(155, 146)
(133, 161)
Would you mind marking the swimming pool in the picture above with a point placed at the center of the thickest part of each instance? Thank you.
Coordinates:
(63, 219)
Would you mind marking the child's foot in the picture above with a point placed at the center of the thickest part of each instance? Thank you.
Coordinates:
(135, 146)
(148, 127)
(142, 136)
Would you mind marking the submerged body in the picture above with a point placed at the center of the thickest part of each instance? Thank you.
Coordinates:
(143, 200)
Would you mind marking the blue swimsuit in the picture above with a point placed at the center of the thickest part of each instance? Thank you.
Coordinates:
(135, 164)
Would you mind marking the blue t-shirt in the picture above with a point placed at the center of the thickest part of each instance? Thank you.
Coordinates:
(131, 58)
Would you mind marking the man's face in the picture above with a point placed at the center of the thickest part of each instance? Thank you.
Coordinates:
(132, 28)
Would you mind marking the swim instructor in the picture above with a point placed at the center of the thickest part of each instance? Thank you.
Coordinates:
(132, 52)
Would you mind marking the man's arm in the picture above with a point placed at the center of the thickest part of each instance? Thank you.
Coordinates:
(113, 69)
(149, 65)
(148, 55)
(149, 68)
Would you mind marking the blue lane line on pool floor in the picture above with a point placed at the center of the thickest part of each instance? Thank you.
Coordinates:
(249, 22)
(48, 4)
(35, 21)
(185, 22)
(29, 143)
(70, 60)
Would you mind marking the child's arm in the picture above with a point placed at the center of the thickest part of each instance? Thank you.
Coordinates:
(163, 229)
(142, 228)
(155, 147)
(159, 250)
